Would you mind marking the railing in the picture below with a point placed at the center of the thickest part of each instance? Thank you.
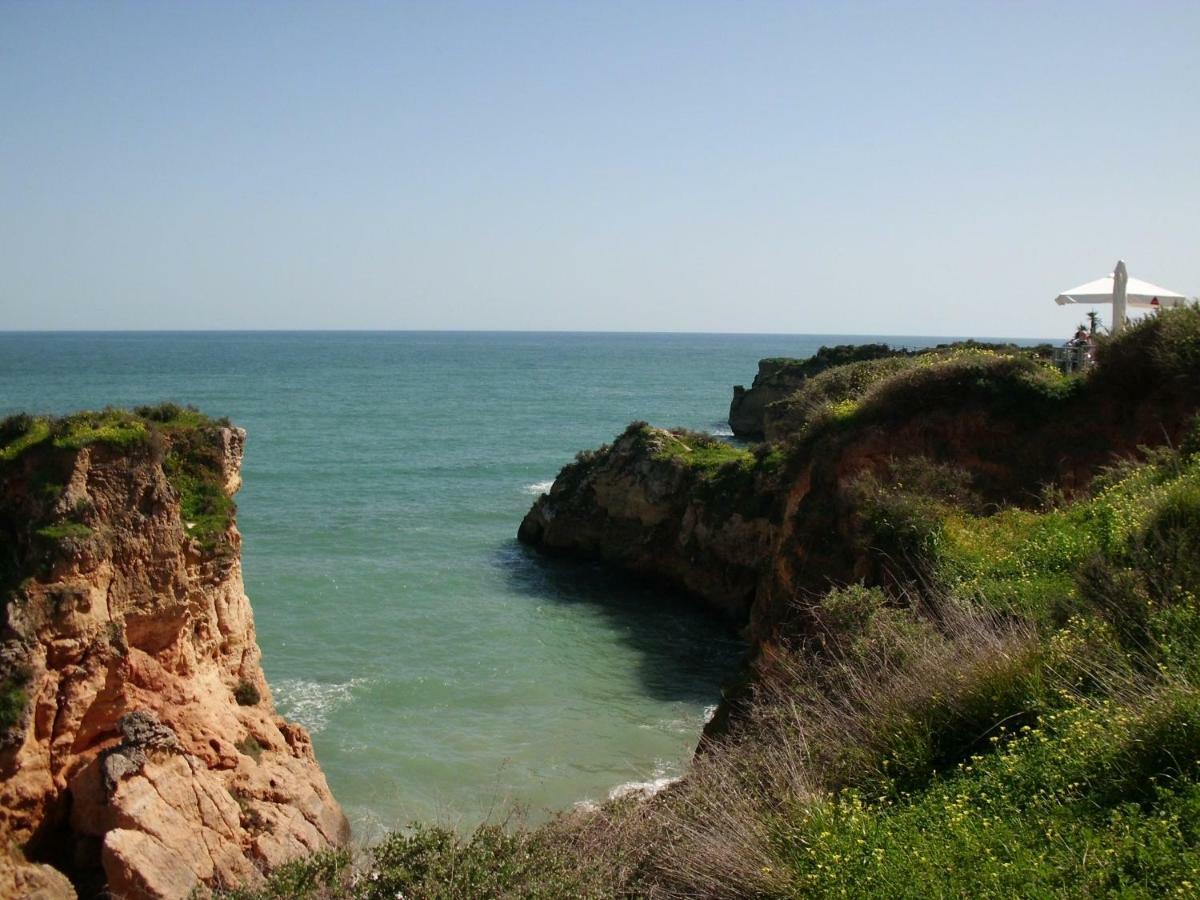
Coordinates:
(1073, 358)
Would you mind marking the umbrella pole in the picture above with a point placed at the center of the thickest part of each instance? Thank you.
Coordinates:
(1120, 277)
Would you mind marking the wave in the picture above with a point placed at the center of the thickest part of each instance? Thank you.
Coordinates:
(658, 780)
(311, 703)
(538, 488)
(643, 789)
(721, 429)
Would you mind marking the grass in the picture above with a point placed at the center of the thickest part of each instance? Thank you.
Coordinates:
(19, 433)
(14, 698)
(117, 428)
(1019, 715)
(65, 531)
(701, 453)
(1043, 816)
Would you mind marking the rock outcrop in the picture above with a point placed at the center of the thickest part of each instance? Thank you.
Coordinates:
(758, 534)
(640, 505)
(778, 378)
(141, 751)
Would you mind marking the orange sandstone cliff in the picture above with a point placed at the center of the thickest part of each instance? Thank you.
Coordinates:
(140, 753)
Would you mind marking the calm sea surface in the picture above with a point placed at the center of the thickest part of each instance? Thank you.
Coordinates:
(445, 673)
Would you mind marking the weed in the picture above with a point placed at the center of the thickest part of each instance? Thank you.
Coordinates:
(65, 531)
(249, 746)
(246, 694)
(14, 698)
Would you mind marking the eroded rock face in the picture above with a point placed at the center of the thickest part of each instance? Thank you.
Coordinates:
(133, 764)
(780, 378)
(774, 381)
(759, 550)
(647, 514)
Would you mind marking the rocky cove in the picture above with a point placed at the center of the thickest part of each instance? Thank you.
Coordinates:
(144, 753)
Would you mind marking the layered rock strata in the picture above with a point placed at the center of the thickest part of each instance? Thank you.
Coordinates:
(143, 754)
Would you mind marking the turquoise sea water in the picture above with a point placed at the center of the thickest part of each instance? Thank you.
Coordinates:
(445, 672)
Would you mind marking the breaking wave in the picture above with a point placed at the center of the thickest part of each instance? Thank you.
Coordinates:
(311, 703)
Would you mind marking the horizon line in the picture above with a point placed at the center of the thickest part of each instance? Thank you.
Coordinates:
(563, 331)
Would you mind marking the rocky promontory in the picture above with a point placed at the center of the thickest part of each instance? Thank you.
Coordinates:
(141, 753)
(677, 507)
(752, 532)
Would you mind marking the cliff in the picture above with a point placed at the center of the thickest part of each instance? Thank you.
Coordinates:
(778, 378)
(751, 533)
(141, 752)
(677, 507)
(972, 583)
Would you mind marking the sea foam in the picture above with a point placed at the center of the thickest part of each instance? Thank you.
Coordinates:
(658, 780)
(311, 703)
(538, 488)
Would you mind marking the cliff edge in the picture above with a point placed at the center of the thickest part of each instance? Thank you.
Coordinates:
(753, 532)
(140, 751)
(778, 378)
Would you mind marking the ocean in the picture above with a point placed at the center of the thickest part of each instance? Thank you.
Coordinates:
(446, 673)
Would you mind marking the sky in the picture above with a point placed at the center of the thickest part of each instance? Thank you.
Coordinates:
(812, 167)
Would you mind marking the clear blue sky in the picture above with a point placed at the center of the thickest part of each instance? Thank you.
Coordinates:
(939, 168)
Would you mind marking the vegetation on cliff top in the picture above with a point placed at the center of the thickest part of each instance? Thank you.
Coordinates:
(115, 427)
(1014, 710)
(1013, 725)
(36, 451)
(829, 357)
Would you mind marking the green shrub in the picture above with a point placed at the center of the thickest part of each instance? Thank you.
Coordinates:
(20, 432)
(1016, 386)
(823, 392)
(246, 694)
(1086, 802)
(902, 529)
(204, 506)
(14, 698)
(1167, 547)
(319, 876)
(1162, 349)
(110, 426)
(830, 357)
(193, 465)
(432, 862)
